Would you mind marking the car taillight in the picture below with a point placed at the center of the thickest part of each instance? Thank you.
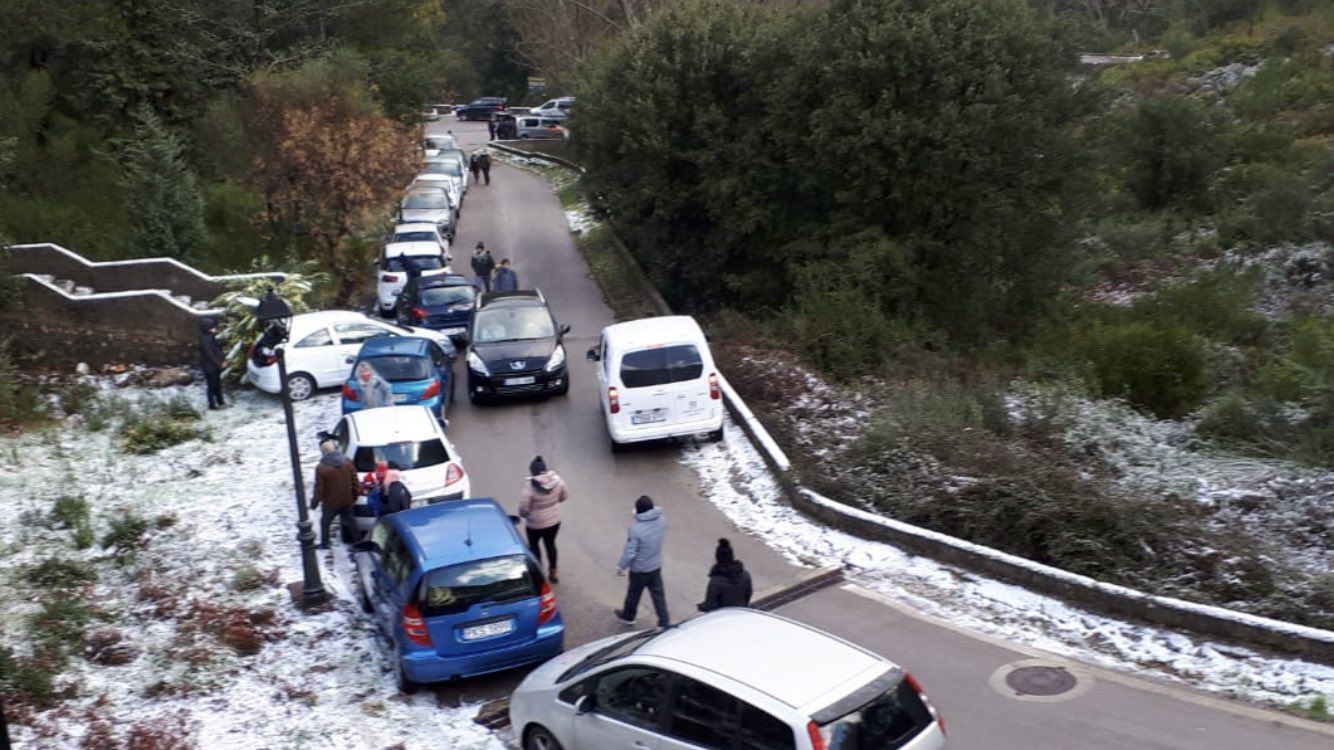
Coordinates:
(817, 740)
(917, 688)
(389, 277)
(431, 391)
(613, 400)
(350, 394)
(453, 474)
(715, 391)
(414, 627)
(546, 608)
(418, 313)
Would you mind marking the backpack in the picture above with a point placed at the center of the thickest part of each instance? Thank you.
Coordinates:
(373, 502)
(396, 498)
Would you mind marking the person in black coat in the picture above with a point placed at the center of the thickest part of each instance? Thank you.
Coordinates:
(729, 583)
(210, 361)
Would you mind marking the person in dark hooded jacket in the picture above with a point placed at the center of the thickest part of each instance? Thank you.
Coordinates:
(210, 361)
(336, 490)
(729, 583)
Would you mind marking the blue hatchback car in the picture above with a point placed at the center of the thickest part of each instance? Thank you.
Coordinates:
(442, 302)
(419, 372)
(457, 591)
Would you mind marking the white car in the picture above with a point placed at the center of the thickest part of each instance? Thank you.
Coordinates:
(432, 144)
(556, 109)
(448, 164)
(321, 348)
(428, 205)
(392, 269)
(730, 678)
(411, 437)
(442, 181)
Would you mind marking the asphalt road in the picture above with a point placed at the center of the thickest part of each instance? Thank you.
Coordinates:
(519, 217)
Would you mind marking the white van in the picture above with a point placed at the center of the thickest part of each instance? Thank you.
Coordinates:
(657, 380)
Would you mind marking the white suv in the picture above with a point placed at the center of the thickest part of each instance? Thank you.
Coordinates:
(412, 437)
(731, 678)
(428, 249)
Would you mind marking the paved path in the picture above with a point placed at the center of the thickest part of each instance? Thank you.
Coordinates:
(519, 217)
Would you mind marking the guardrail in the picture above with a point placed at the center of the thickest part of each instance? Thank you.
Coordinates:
(1120, 601)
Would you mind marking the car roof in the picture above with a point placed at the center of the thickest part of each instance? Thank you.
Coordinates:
(664, 329)
(444, 279)
(384, 425)
(739, 644)
(520, 298)
(417, 226)
(305, 323)
(439, 535)
(415, 248)
(394, 345)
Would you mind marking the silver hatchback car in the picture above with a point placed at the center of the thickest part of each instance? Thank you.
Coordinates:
(732, 678)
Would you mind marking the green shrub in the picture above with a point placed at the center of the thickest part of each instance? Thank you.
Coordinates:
(162, 427)
(1318, 709)
(1275, 212)
(70, 512)
(55, 573)
(1216, 304)
(20, 403)
(61, 623)
(31, 680)
(1166, 149)
(127, 534)
(1135, 240)
(1157, 366)
(180, 407)
(249, 578)
(83, 537)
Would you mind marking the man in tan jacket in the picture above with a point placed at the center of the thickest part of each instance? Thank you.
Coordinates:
(336, 489)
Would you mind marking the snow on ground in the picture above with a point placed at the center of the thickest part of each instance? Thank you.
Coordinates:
(580, 219)
(735, 479)
(323, 681)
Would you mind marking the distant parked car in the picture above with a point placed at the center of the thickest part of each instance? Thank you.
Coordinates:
(451, 163)
(428, 205)
(480, 109)
(437, 141)
(319, 348)
(430, 115)
(444, 181)
(410, 436)
(716, 681)
(538, 128)
(556, 109)
(422, 245)
(458, 593)
(419, 372)
(443, 303)
(514, 347)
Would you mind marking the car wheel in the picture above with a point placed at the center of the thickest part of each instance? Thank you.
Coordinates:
(300, 386)
(538, 738)
(717, 435)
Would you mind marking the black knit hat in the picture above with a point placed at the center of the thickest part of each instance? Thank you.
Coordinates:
(723, 555)
(537, 466)
(644, 504)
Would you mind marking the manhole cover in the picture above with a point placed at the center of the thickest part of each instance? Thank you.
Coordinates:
(1041, 680)
(1044, 681)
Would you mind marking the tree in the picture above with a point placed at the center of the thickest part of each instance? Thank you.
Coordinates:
(160, 191)
(1166, 149)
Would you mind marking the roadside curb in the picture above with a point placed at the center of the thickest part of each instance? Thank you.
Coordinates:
(1119, 601)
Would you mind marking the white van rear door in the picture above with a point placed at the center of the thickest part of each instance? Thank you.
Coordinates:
(664, 383)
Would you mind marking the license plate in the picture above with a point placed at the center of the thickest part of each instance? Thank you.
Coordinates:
(488, 630)
(400, 398)
(647, 417)
(521, 381)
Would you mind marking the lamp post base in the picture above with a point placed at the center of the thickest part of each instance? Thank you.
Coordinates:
(308, 600)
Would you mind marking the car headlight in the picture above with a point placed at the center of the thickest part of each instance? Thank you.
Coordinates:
(557, 358)
(476, 364)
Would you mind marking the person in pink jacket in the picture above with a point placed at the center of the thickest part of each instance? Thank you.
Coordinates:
(540, 510)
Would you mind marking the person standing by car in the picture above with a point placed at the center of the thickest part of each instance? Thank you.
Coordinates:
(336, 490)
(643, 558)
(210, 361)
(484, 164)
(539, 508)
(505, 279)
(474, 167)
(729, 583)
(482, 266)
(491, 128)
(374, 391)
(396, 496)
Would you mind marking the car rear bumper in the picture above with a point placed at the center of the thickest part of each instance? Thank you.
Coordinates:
(265, 379)
(662, 430)
(428, 666)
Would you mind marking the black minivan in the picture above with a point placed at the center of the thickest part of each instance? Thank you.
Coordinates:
(515, 348)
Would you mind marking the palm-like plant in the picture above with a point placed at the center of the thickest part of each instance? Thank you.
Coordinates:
(238, 327)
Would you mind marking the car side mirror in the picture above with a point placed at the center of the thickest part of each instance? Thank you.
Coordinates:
(592, 355)
(349, 359)
(564, 328)
(366, 546)
(583, 705)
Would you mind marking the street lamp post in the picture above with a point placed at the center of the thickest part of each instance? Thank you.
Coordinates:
(277, 315)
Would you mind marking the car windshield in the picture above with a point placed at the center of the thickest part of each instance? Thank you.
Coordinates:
(414, 237)
(661, 365)
(424, 263)
(408, 455)
(426, 200)
(447, 591)
(400, 368)
(454, 296)
(889, 721)
(606, 654)
(512, 324)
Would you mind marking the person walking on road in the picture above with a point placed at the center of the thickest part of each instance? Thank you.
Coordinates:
(643, 558)
(336, 488)
(729, 583)
(210, 361)
(484, 164)
(539, 508)
(505, 279)
(474, 167)
(491, 129)
(482, 266)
